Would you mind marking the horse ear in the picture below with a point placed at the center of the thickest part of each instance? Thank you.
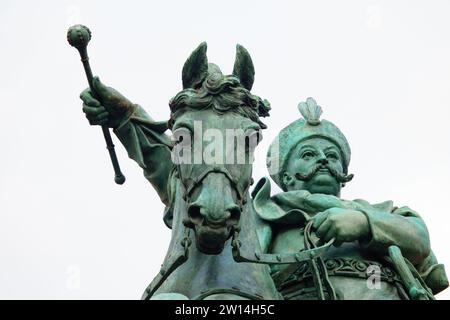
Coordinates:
(195, 68)
(243, 67)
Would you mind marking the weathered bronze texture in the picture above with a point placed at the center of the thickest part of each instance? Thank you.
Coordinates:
(305, 242)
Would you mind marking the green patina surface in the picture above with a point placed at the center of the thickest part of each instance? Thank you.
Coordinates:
(379, 251)
(313, 157)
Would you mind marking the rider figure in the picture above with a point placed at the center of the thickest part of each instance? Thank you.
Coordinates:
(309, 160)
(313, 157)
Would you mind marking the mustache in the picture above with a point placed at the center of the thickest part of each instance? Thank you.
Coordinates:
(340, 177)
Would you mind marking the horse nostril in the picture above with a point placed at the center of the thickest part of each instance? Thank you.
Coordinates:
(195, 214)
(235, 215)
(198, 215)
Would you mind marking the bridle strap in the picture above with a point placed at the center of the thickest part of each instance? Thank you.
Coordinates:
(170, 265)
(190, 188)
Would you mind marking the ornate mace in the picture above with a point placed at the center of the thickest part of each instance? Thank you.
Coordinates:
(79, 36)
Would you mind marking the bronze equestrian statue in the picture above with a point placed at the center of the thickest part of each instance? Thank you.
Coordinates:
(318, 246)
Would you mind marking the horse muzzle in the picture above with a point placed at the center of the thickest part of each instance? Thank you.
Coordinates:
(213, 213)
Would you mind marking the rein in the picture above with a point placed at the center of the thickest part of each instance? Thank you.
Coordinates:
(179, 256)
(284, 258)
(312, 253)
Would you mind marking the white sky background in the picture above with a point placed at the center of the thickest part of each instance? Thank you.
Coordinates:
(379, 69)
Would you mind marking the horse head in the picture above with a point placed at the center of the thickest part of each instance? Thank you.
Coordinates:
(216, 127)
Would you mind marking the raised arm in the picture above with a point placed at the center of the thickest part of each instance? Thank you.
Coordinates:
(143, 138)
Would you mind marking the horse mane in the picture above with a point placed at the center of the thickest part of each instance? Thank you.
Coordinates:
(223, 94)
